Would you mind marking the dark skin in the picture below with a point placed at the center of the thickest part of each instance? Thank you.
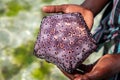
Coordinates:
(107, 65)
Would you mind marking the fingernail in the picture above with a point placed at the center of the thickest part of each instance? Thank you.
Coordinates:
(44, 8)
(76, 75)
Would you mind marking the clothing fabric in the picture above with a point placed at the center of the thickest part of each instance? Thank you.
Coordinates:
(107, 34)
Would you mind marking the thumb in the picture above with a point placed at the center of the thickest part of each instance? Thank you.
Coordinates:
(54, 8)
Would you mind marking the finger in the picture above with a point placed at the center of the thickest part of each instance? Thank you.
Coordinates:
(76, 75)
(70, 76)
(85, 68)
(54, 8)
(77, 78)
(81, 77)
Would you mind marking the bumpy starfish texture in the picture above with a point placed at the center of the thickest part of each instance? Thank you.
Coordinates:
(64, 40)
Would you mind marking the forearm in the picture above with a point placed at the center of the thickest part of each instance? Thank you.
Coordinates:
(95, 5)
(105, 67)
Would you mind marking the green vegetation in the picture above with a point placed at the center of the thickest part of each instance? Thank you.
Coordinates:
(19, 22)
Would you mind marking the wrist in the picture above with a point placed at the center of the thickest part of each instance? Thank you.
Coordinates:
(89, 17)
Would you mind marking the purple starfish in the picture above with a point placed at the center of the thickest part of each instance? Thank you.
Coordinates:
(64, 39)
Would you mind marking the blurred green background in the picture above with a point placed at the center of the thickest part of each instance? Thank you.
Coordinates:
(19, 25)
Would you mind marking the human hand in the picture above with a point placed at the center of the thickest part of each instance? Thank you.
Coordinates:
(106, 67)
(70, 8)
(80, 70)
